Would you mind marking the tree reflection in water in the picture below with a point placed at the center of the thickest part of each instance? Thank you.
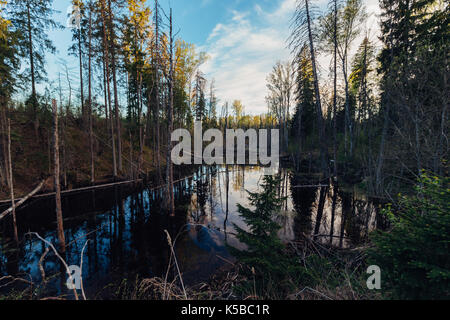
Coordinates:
(126, 225)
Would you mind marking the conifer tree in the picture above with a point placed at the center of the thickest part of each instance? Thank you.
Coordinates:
(34, 18)
(264, 252)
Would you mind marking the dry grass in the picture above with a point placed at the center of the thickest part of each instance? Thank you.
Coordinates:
(342, 279)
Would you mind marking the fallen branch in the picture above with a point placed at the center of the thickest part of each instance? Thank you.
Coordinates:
(24, 199)
(81, 270)
(41, 268)
(312, 290)
(12, 280)
(59, 257)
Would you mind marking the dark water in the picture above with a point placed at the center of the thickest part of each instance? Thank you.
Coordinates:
(125, 227)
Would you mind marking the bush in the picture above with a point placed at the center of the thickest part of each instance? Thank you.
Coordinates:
(414, 255)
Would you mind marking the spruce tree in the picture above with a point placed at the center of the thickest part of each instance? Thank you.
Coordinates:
(264, 248)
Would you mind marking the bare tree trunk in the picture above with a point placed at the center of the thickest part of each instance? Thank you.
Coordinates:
(80, 55)
(33, 78)
(59, 216)
(69, 105)
(116, 97)
(157, 149)
(11, 185)
(91, 135)
(63, 134)
(24, 199)
(143, 136)
(335, 91)
(169, 173)
(4, 142)
(3, 177)
(106, 95)
(141, 148)
(106, 59)
(131, 157)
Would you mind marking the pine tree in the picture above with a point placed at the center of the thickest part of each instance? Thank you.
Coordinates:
(80, 39)
(137, 29)
(34, 18)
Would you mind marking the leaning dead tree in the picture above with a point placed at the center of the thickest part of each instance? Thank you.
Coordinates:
(23, 200)
(59, 217)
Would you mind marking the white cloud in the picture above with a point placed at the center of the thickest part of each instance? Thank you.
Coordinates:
(244, 49)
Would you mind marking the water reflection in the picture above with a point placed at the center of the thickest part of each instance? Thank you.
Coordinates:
(125, 226)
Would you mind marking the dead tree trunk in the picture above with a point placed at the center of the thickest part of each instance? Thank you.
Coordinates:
(91, 136)
(4, 173)
(24, 199)
(131, 156)
(105, 95)
(32, 71)
(64, 136)
(114, 76)
(335, 91)
(59, 216)
(106, 59)
(80, 56)
(169, 172)
(11, 185)
(157, 149)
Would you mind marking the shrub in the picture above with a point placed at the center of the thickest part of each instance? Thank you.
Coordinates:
(414, 254)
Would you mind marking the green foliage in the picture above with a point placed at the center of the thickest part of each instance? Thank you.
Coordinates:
(265, 254)
(414, 255)
(33, 18)
(9, 58)
(261, 239)
(303, 122)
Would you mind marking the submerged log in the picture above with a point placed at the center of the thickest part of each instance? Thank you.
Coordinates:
(100, 186)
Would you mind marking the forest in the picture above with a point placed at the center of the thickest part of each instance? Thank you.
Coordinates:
(85, 160)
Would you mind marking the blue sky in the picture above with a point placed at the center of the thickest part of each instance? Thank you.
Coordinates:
(244, 39)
